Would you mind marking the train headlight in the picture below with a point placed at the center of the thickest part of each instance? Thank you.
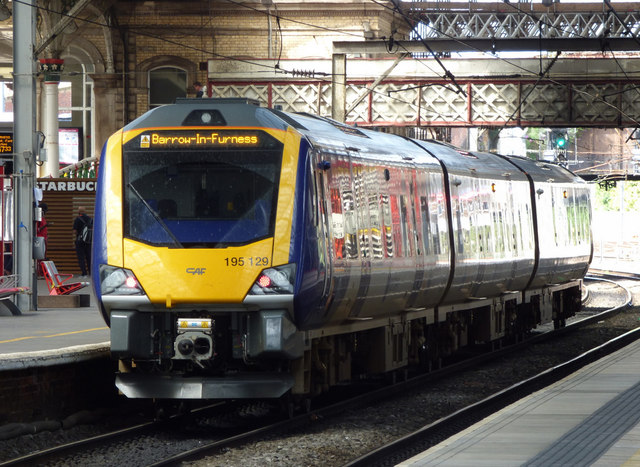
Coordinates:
(118, 281)
(278, 280)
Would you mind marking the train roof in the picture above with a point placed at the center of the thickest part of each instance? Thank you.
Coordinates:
(331, 135)
(320, 132)
(541, 171)
(209, 112)
(334, 136)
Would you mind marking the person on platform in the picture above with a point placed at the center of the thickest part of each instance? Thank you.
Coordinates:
(198, 87)
(83, 246)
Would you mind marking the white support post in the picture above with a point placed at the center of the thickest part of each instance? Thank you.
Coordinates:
(339, 87)
(51, 126)
(24, 15)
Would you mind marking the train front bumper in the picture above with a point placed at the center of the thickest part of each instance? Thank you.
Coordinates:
(241, 386)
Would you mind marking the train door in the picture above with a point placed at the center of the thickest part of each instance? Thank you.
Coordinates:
(361, 172)
(343, 241)
(322, 212)
(416, 235)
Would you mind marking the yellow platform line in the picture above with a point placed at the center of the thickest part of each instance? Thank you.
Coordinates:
(52, 335)
(633, 461)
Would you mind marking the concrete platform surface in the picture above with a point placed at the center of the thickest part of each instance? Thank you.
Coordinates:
(52, 331)
(590, 418)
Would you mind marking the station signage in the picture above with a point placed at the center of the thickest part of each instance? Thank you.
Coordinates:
(6, 143)
(58, 184)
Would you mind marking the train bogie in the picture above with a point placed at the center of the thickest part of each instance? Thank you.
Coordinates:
(241, 252)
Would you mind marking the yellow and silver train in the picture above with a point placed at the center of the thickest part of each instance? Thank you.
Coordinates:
(244, 252)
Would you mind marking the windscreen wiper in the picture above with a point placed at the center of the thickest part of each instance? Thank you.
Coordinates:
(156, 217)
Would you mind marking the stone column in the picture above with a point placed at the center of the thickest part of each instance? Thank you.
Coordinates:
(51, 68)
(105, 117)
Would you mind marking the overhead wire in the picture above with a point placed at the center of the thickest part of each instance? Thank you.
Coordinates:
(192, 47)
(542, 74)
(277, 68)
(315, 26)
(447, 72)
(549, 79)
(321, 76)
(628, 30)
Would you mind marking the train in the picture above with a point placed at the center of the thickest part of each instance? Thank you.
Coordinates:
(244, 252)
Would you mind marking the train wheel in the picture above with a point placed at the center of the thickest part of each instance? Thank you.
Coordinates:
(288, 405)
(161, 410)
(184, 408)
(391, 377)
(559, 323)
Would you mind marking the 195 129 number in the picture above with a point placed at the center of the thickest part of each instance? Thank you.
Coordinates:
(247, 261)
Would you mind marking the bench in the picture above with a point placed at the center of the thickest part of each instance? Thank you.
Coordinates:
(57, 282)
(8, 288)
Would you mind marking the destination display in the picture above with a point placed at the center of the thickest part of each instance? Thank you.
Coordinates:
(201, 139)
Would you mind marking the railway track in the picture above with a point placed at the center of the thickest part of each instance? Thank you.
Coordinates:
(430, 435)
(178, 440)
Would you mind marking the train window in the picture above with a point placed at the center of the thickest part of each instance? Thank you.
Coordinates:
(317, 193)
(387, 225)
(375, 218)
(198, 198)
(341, 202)
(405, 226)
(350, 226)
(426, 224)
(337, 224)
(438, 215)
(417, 234)
(360, 173)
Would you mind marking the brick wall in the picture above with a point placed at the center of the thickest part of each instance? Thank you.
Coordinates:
(55, 392)
(199, 31)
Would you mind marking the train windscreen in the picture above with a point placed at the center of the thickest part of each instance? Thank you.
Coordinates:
(201, 189)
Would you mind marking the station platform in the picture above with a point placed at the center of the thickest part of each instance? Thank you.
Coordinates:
(53, 335)
(590, 418)
(629, 265)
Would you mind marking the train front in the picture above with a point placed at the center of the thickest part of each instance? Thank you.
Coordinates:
(191, 264)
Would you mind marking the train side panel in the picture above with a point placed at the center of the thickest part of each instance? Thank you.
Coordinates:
(492, 224)
(388, 252)
(563, 223)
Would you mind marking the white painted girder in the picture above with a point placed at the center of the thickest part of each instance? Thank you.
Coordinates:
(594, 92)
(513, 24)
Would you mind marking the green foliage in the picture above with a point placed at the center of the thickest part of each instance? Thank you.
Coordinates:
(609, 200)
(533, 144)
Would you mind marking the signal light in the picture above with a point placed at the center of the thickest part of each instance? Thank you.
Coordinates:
(559, 139)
